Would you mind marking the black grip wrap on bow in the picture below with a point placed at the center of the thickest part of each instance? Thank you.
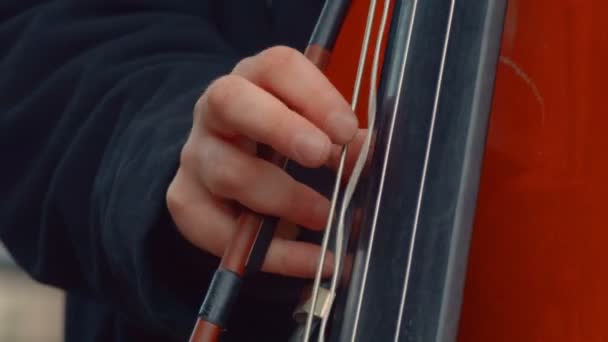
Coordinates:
(221, 295)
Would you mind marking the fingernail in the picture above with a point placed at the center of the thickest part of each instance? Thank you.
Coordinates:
(344, 126)
(311, 149)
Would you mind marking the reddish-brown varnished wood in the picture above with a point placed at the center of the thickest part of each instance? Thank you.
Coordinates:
(238, 250)
(205, 332)
(537, 264)
(540, 240)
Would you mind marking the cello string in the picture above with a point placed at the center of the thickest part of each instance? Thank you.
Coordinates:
(361, 159)
(406, 54)
(340, 171)
(425, 169)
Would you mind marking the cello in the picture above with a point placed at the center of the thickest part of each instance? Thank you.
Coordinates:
(492, 97)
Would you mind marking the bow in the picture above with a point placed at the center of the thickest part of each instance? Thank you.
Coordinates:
(250, 242)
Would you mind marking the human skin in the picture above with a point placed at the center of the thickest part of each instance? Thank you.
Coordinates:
(277, 98)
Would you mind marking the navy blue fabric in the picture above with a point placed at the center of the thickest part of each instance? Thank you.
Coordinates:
(96, 99)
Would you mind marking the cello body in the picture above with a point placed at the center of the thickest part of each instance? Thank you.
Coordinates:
(480, 215)
(503, 239)
(412, 217)
(536, 270)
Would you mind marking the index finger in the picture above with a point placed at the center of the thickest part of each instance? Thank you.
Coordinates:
(290, 76)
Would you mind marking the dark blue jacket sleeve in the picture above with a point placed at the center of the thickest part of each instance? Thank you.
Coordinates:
(96, 100)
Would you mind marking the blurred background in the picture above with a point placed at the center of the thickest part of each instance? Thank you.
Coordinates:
(29, 312)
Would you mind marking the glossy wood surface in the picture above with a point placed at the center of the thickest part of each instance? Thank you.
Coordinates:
(537, 267)
(540, 242)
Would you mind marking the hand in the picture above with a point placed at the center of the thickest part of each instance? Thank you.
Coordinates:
(280, 99)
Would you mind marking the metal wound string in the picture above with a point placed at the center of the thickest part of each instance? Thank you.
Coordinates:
(424, 170)
(339, 172)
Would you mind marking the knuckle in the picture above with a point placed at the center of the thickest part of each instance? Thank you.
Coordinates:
(221, 92)
(200, 107)
(222, 176)
(224, 181)
(175, 202)
(278, 57)
(188, 155)
(282, 53)
(243, 65)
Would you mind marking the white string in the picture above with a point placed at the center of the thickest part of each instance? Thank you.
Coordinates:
(424, 170)
(406, 54)
(339, 172)
(362, 158)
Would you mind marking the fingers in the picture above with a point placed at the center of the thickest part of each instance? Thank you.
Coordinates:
(295, 259)
(229, 173)
(354, 148)
(277, 98)
(209, 225)
(203, 220)
(263, 118)
(281, 99)
(291, 77)
(286, 230)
